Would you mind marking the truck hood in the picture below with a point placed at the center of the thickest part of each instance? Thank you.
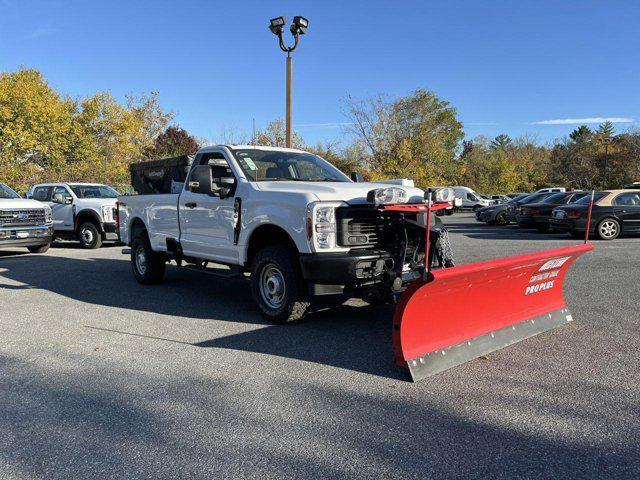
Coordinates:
(19, 203)
(352, 193)
(96, 202)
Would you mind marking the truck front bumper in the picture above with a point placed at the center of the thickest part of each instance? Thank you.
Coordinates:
(332, 273)
(110, 232)
(25, 236)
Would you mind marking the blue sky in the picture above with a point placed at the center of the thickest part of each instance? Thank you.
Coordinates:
(505, 65)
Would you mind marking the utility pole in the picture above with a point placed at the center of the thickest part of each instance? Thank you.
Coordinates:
(605, 141)
(298, 27)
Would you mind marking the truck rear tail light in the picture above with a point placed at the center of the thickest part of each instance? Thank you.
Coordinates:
(574, 213)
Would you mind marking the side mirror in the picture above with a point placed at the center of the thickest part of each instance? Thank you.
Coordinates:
(201, 180)
(68, 200)
(357, 177)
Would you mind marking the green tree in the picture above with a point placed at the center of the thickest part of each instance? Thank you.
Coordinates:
(581, 134)
(416, 136)
(502, 141)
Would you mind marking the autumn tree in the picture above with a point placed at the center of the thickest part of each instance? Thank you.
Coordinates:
(416, 136)
(174, 141)
(274, 135)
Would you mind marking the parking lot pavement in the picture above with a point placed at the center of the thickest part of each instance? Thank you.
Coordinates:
(103, 378)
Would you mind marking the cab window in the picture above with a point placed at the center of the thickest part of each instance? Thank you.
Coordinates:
(42, 194)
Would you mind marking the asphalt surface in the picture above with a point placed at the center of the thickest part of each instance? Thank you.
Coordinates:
(103, 378)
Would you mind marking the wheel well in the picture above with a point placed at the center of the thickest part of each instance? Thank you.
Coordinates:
(265, 236)
(136, 225)
(88, 216)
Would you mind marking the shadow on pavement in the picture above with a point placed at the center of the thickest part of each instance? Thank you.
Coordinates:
(351, 337)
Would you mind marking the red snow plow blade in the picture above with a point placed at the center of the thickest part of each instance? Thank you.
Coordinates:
(460, 313)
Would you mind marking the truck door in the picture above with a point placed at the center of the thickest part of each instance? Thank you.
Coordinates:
(207, 222)
(627, 209)
(61, 210)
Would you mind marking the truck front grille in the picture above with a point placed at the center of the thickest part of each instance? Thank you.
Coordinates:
(22, 218)
(358, 227)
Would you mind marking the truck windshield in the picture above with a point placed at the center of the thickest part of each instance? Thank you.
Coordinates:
(6, 192)
(94, 191)
(273, 165)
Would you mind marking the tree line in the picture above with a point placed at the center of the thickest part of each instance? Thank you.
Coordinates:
(48, 136)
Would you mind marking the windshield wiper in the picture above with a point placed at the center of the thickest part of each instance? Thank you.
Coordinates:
(281, 179)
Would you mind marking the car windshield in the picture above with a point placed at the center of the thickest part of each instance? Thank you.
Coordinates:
(94, 191)
(273, 165)
(587, 198)
(520, 197)
(6, 192)
(534, 198)
(556, 198)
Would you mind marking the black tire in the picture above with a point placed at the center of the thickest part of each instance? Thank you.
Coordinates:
(89, 236)
(543, 228)
(277, 285)
(608, 229)
(501, 219)
(148, 266)
(39, 248)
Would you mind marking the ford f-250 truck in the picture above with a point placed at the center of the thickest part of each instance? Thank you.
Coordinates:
(24, 223)
(297, 224)
(82, 211)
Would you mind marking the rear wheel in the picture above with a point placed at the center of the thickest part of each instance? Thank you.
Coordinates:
(608, 229)
(39, 248)
(89, 236)
(148, 266)
(501, 219)
(277, 285)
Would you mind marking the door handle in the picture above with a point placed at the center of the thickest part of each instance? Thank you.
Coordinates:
(191, 205)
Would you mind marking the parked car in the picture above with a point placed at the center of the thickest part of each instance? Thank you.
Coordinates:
(24, 223)
(633, 185)
(614, 212)
(81, 211)
(299, 225)
(551, 190)
(515, 204)
(471, 200)
(514, 195)
(537, 215)
(497, 199)
(496, 214)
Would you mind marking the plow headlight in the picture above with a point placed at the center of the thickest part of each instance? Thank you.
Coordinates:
(441, 195)
(321, 225)
(389, 195)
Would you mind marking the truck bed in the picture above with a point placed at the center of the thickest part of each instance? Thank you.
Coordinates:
(159, 212)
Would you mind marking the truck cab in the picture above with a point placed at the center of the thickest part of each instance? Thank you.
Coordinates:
(81, 211)
(24, 223)
(295, 223)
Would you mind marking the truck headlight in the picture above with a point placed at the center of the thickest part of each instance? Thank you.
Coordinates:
(107, 214)
(47, 214)
(390, 195)
(321, 225)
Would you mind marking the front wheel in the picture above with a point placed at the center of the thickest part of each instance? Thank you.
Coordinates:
(89, 236)
(277, 285)
(608, 229)
(501, 219)
(39, 248)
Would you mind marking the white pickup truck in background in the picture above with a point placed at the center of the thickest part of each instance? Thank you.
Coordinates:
(301, 227)
(24, 223)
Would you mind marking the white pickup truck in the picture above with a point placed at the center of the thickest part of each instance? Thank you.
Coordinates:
(24, 223)
(297, 224)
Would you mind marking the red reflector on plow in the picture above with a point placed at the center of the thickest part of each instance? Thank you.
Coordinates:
(463, 312)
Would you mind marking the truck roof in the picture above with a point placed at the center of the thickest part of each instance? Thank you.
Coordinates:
(251, 147)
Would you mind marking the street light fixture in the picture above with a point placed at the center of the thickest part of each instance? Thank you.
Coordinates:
(298, 27)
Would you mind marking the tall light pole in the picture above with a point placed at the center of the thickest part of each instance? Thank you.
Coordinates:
(298, 27)
(605, 141)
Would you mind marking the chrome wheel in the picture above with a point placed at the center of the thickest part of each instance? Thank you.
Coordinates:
(87, 236)
(609, 229)
(141, 260)
(272, 286)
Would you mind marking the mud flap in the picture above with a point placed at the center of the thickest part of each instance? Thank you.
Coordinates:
(460, 313)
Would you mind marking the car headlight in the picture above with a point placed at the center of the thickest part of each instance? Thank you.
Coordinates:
(107, 214)
(384, 196)
(47, 214)
(321, 225)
